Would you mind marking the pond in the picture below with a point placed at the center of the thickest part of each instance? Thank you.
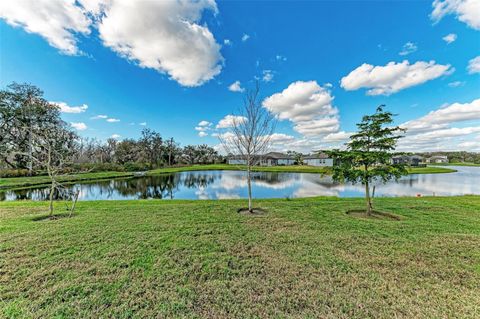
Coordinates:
(232, 184)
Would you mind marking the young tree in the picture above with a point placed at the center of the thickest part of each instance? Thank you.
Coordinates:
(250, 134)
(369, 154)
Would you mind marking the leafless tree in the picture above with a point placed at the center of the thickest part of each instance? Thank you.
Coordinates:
(250, 134)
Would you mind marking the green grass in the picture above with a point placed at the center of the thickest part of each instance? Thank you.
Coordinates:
(199, 259)
(20, 182)
(23, 182)
(430, 170)
(455, 164)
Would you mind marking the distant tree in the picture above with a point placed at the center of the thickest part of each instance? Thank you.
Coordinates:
(250, 134)
(151, 145)
(189, 154)
(24, 114)
(297, 157)
(127, 151)
(171, 150)
(369, 154)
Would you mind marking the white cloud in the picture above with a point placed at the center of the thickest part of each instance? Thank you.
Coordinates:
(115, 136)
(204, 123)
(143, 124)
(267, 75)
(166, 36)
(245, 37)
(236, 87)
(408, 48)
(280, 57)
(112, 120)
(65, 108)
(442, 117)
(281, 138)
(80, 126)
(322, 126)
(308, 106)
(455, 84)
(337, 137)
(467, 11)
(227, 42)
(301, 101)
(98, 117)
(229, 120)
(202, 134)
(393, 77)
(449, 38)
(474, 65)
(57, 21)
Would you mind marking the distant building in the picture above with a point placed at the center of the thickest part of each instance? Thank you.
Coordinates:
(411, 160)
(437, 159)
(269, 159)
(320, 159)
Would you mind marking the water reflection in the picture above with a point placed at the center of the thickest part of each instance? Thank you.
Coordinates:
(233, 184)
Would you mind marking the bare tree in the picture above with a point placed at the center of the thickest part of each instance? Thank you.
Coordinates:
(250, 134)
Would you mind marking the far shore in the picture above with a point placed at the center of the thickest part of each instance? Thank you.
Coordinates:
(35, 181)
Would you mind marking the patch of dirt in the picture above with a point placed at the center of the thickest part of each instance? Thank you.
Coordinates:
(255, 211)
(52, 217)
(360, 213)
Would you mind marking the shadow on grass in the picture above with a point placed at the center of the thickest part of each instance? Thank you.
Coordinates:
(255, 211)
(52, 217)
(360, 213)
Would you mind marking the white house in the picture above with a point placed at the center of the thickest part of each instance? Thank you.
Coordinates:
(320, 159)
(269, 159)
(437, 159)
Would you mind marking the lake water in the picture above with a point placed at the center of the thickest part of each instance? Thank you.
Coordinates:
(232, 184)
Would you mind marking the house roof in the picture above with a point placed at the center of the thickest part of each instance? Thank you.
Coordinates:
(277, 155)
(316, 156)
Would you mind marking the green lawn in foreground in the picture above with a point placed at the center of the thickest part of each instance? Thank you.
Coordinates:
(199, 259)
(19, 182)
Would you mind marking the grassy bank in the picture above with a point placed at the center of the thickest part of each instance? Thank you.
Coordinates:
(455, 164)
(22, 182)
(199, 259)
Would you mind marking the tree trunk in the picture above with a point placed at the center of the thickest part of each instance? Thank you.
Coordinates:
(52, 191)
(368, 200)
(249, 183)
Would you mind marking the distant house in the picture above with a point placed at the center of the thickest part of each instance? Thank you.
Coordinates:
(437, 159)
(269, 159)
(320, 159)
(411, 160)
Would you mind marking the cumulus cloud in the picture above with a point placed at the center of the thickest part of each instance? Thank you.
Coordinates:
(227, 42)
(408, 48)
(236, 87)
(65, 108)
(267, 75)
(474, 65)
(80, 126)
(166, 36)
(449, 38)
(338, 137)
(115, 136)
(301, 101)
(143, 124)
(308, 106)
(245, 37)
(99, 117)
(393, 77)
(204, 123)
(59, 22)
(434, 131)
(280, 57)
(467, 11)
(112, 120)
(229, 120)
(442, 117)
(202, 134)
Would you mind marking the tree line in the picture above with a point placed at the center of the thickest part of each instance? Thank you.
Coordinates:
(32, 133)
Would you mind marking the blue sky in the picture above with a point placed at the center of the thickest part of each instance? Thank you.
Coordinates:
(169, 66)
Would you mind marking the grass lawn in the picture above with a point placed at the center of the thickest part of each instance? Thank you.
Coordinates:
(455, 164)
(199, 259)
(21, 182)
